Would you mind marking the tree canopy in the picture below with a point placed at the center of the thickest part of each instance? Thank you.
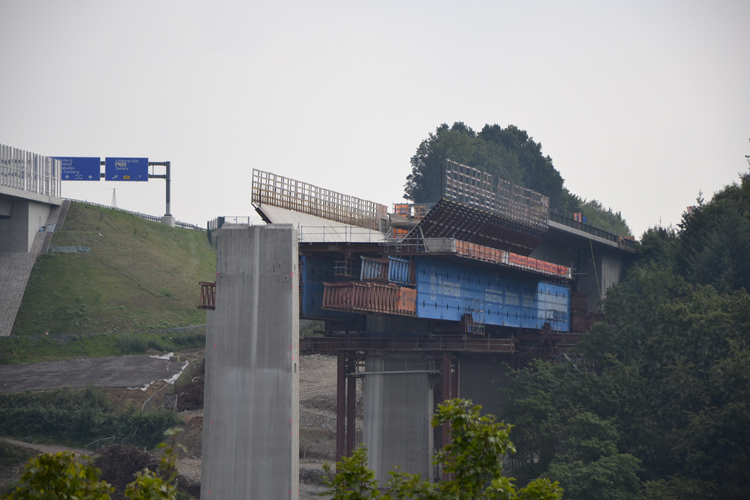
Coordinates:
(474, 458)
(657, 405)
(714, 241)
(507, 153)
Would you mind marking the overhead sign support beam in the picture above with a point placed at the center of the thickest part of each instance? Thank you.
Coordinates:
(168, 178)
(168, 218)
(77, 168)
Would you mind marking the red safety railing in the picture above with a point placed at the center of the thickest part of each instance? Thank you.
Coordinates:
(359, 296)
(208, 295)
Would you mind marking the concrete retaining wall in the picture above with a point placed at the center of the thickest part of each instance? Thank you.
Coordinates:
(15, 270)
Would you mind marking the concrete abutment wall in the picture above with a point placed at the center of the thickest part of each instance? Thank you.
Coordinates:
(19, 228)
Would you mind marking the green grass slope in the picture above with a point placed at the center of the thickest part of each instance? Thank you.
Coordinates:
(139, 276)
(16, 349)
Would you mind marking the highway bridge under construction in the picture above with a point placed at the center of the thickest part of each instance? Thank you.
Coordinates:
(426, 303)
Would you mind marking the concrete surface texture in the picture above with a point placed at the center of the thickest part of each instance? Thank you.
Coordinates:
(397, 412)
(169, 220)
(611, 268)
(124, 371)
(251, 400)
(17, 232)
(316, 229)
(15, 269)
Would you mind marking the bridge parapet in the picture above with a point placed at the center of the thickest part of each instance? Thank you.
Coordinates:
(29, 175)
(623, 243)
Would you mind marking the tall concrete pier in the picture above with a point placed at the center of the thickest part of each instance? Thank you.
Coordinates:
(251, 416)
(398, 409)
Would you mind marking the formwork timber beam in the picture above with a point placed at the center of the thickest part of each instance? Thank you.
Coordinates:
(340, 406)
(562, 337)
(447, 392)
(346, 403)
(351, 406)
(316, 248)
(384, 342)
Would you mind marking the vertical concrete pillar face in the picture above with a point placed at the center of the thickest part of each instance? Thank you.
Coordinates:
(251, 415)
(397, 413)
(611, 269)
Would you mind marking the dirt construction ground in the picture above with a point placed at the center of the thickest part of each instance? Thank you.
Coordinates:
(317, 424)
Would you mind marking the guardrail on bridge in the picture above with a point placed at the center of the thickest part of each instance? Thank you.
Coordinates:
(30, 172)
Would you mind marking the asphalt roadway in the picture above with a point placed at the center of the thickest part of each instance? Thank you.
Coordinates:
(122, 371)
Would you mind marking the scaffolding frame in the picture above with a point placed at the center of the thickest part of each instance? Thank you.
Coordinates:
(473, 187)
(291, 194)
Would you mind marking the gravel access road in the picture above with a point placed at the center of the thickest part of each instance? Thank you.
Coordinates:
(122, 371)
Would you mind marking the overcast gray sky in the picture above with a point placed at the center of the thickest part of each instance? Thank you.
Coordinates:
(640, 104)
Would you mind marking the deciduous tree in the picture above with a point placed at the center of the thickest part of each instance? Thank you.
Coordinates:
(474, 458)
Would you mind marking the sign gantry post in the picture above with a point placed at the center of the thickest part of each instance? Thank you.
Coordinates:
(76, 168)
(136, 169)
(168, 218)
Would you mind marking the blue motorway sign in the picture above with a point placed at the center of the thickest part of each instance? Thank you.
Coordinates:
(79, 168)
(126, 169)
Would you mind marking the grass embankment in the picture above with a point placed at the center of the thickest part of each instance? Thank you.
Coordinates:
(139, 276)
(28, 349)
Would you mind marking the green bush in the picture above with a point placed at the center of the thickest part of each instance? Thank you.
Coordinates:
(77, 418)
(11, 455)
(66, 475)
(62, 475)
(139, 343)
(131, 343)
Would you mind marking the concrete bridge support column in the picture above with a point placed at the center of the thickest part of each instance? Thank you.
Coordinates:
(251, 415)
(397, 412)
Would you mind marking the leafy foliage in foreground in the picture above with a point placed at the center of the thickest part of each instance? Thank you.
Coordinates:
(65, 476)
(61, 476)
(77, 418)
(659, 405)
(474, 458)
(161, 486)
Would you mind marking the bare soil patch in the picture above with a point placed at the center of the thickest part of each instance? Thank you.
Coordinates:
(119, 464)
(317, 426)
(122, 399)
(190, 394)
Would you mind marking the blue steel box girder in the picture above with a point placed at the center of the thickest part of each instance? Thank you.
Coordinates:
(448, 291)
(443, 290)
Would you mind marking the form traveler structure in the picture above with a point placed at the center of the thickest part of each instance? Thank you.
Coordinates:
(430, 302)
